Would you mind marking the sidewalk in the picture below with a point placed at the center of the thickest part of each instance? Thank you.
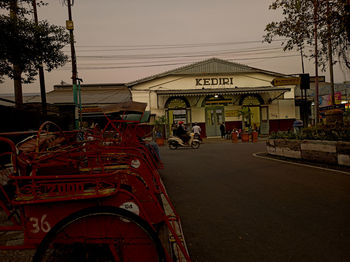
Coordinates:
(219, 140)
(338, 168)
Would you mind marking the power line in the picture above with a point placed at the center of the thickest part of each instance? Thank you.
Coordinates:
(159, 46)
(169, 55)
(168, 64)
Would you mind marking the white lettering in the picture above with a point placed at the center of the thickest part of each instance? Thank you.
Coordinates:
(44, 225)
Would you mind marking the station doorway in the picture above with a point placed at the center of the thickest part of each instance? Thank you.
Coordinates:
(214, 116)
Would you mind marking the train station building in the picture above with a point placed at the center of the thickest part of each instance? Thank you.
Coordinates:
(208, 93)
(215, 91)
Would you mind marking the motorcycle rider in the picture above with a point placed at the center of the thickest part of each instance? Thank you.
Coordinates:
(182, 133)
(197, 131)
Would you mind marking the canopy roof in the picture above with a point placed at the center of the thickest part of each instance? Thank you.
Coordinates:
(224, 91)
(129, 106)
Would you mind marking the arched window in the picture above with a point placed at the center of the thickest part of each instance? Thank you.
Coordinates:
(177, 102)
(178, 109)
(251, 100)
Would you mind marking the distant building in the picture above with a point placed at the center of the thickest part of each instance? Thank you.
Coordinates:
(214, 91)
(208, 92)
(92, 96)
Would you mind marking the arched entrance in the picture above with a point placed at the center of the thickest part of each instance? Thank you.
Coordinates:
(253, 104)
(178, 109)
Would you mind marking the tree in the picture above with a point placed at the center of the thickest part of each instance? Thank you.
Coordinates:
(26, 46)
(298, 25)
(159, 126)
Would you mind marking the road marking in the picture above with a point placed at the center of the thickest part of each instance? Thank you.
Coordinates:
(299, 164)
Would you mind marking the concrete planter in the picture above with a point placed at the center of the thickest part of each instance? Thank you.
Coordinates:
(331, 152)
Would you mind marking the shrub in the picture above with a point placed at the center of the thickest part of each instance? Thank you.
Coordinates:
(330, 132)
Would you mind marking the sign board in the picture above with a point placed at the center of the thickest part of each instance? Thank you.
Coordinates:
(231, 113)
(320, 79)
(69, 25)
(286, 81)
(326, 100)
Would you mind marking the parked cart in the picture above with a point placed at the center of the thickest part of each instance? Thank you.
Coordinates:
(96, 198)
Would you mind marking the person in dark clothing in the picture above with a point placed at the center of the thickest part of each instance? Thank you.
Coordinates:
(181, 132)
(222, 130)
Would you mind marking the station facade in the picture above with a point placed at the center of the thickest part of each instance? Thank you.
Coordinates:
(215, 91)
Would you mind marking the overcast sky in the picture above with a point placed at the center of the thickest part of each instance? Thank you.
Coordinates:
(118, 41)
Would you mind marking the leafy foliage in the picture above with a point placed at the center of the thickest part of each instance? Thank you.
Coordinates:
(159, 126)
(246, 114)
(298, 28)
(29, 45)
(334, 132)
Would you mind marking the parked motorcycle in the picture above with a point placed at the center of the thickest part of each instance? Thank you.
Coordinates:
(174, 142)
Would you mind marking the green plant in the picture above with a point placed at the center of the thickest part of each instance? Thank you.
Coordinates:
(159, 126)
(330, 132)
(246, 115)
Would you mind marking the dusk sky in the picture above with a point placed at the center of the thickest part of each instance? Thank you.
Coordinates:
(119, 41)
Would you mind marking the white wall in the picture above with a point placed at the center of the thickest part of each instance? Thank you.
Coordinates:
(286, 109)
(189, 82)
(146, 92)
(141, 96)
(198, 114)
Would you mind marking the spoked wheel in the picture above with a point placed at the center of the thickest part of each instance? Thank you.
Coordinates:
(101, 234)
(195, 144)
(173, 145)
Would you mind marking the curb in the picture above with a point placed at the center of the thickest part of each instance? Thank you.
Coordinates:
(299, 164)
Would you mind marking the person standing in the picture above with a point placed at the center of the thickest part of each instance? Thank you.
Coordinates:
(222, 130)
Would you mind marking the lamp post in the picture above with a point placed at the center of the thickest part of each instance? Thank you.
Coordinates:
(70, 27)
(317, 111)
(330, 56)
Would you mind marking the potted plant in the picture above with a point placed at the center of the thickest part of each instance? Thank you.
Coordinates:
(246, 114)
(159, 130)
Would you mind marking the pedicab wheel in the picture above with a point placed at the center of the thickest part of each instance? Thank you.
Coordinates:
(101, 234)
(173, 145)
(195, 144)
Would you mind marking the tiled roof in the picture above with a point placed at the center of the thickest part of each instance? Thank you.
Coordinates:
(88, 95)
(210, 66)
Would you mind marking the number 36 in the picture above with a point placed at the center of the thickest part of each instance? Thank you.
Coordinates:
(44, 226)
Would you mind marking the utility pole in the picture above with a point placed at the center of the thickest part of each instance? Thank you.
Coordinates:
(70, 27)
(330, 56)
(41, 70)
(302, 59)
(347, 17)
(17, 72)
(317, 111)
(303, 92)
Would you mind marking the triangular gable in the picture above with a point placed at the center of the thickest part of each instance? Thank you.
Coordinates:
(210, 66)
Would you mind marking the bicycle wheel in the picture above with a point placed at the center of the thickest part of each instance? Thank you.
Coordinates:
(101, 234)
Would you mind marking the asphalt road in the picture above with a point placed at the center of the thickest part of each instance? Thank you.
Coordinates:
(236, 207)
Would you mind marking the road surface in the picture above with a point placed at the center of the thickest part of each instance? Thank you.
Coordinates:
(236, 207)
